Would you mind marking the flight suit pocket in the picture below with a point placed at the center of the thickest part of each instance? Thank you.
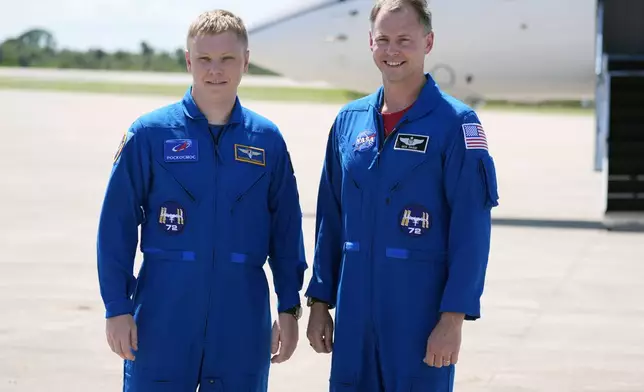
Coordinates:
(251, 260)
(342, 383)
(488, 176)
(242, 384)
(155, 254)
(424, 385)
(140, 381)
(174, 181)
(426, 378)
(153, 258)
(172, 210)
(350, 251)
(339, 386)
(231, 384)
(435, 380)
(250, 219)
(414, 255)
(351, 246)
(244, 188)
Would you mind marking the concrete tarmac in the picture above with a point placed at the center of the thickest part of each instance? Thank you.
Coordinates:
(563, 309)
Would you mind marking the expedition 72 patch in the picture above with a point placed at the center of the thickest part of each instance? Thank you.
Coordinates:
(415, 220)
(172, 217)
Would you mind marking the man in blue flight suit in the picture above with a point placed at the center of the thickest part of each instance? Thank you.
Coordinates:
(403, 221)
(212, 186)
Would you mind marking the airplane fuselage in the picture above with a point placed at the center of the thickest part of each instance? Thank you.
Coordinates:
(484, 49)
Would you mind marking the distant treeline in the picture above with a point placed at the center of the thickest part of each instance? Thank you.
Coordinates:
(38, 48)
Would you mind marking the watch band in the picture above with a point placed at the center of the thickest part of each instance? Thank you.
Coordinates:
(295, 311)
(311, 300)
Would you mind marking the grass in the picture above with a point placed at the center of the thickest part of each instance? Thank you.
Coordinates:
(287, 94)
(252, 93)
(551, 107)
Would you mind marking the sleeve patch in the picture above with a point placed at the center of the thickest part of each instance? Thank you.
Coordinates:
(120, 148)
(474, 137)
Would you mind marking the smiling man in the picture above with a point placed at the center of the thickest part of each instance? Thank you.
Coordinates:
(403, 221)
(212, 187)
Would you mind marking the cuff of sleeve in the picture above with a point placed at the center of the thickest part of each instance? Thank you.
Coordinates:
(321, 292)
(117, 308)
(287, 301)
(472, 310)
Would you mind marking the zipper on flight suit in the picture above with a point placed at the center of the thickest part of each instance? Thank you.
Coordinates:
(215, 142)
(376, 161)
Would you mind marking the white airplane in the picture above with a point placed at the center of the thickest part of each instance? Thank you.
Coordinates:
(523, 50)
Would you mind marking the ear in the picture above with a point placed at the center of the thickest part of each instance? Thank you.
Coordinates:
(371, 40)
(429, 42)
(246, 60)
(188, 63)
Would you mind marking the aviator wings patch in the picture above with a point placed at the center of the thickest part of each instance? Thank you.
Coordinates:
(409, 142)
(248, 154)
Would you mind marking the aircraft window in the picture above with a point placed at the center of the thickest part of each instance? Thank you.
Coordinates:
(342, 37)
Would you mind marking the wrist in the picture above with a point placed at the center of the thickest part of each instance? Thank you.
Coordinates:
(295, 311)
(320, 306)
(453, 318)
(316, 302)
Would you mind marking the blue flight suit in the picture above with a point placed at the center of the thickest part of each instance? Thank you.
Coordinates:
(402, 234)
(213, 203)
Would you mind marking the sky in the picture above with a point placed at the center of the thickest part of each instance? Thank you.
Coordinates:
(122, 24)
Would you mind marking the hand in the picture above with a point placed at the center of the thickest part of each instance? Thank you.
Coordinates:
(444, 343)
(320, 328)
(122, 335)
(285, 338)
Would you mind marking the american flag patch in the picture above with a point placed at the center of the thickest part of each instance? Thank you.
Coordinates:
(474, 136)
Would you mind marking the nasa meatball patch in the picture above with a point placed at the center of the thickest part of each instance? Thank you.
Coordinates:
(172, 217)
(364, 141)
(409, 142)
(181, 150)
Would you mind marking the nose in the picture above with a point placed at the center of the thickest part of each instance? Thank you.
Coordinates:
(214, 67)
(392, 49)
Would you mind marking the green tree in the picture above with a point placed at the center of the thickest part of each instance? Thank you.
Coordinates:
(38, 48)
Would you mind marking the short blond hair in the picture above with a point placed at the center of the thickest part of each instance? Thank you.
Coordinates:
(217, 22)
(420, 6)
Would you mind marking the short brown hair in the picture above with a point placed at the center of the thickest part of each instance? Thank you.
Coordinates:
(420, 6)
(217, 22)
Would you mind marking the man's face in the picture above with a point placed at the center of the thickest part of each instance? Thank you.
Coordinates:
(399, 44)
(217, 63)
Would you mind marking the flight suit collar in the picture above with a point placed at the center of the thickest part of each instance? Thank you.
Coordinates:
(425, 103)
(191, 109)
